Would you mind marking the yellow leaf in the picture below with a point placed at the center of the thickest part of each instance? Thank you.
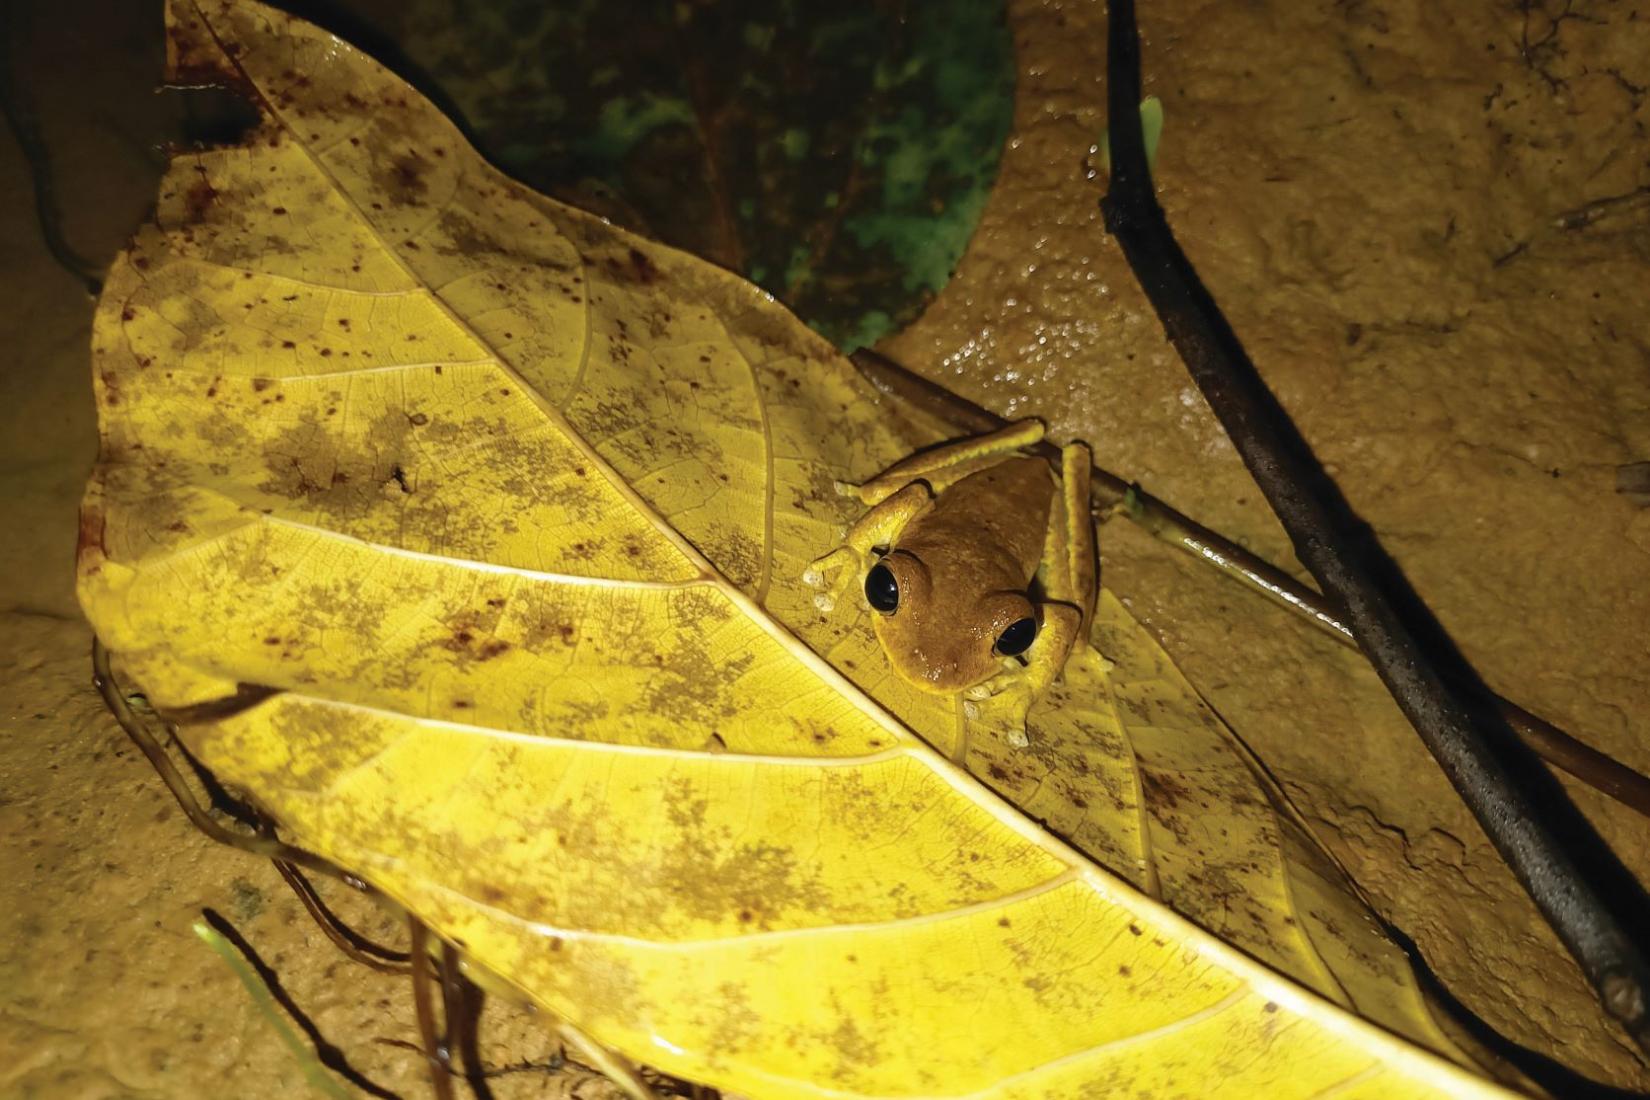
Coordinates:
(511, 509)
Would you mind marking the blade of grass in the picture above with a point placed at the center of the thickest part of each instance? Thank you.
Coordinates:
(315, 1073)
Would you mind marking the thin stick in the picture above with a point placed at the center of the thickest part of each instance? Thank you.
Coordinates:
(435, 1057)
(1342, 558)
(267, 846)
(464, 1003)
(354, 945)
(1113, 496)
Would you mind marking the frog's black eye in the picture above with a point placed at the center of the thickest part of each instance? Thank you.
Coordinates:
(1017, 638)
(881, 590)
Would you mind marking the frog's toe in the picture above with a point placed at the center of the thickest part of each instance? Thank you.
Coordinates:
(1016, 734)
(994, 686)
(1018, 704)
(833, 575)
(1009, 695)
(818, 571)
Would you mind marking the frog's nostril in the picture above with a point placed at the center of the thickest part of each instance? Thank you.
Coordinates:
(881, 590)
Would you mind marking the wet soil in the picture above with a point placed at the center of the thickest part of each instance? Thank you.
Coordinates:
(1430, 224)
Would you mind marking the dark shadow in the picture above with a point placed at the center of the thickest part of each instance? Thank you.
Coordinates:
(329, 1055)
(353, 24)
(1551, 1075)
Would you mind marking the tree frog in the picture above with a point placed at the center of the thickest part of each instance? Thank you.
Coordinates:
(978, 562)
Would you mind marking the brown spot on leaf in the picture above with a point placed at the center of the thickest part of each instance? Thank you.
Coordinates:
(91, 530)
(641, 268)
(200, 198)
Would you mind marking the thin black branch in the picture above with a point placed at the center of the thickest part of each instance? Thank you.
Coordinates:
(1478, 754)
(436, 1055)
(260, 843)
(353, 944)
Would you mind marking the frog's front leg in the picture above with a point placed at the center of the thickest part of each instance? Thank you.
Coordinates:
(1024, 684)
(875, 528)
(949, 463)
(1069, 579)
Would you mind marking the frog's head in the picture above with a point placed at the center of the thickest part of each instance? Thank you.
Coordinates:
(942, 637)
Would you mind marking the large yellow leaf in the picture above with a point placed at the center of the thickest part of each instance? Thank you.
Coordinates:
(511, 508)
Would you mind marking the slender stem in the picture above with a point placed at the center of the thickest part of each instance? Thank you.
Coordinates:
(435, 1055)
(465, 1002)
(1113, 496)
(610, 1064)
(1344, 558)
(354, 945)
(259, 845)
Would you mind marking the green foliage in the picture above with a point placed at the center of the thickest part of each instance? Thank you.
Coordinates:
(838, 155)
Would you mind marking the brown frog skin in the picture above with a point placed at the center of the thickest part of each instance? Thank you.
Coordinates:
(986, 554)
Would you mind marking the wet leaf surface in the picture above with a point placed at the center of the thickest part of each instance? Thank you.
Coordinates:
(511, 508)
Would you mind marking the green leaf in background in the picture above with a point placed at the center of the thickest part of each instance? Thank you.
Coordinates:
(837, 154)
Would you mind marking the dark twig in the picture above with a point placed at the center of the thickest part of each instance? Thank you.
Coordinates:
(1636, 201)
(354, 945)
(1588, 213)
(710, 117)
(1480, 760)
(1112, 496)
(436, 1055)
(463, 1001)
(259, 844)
